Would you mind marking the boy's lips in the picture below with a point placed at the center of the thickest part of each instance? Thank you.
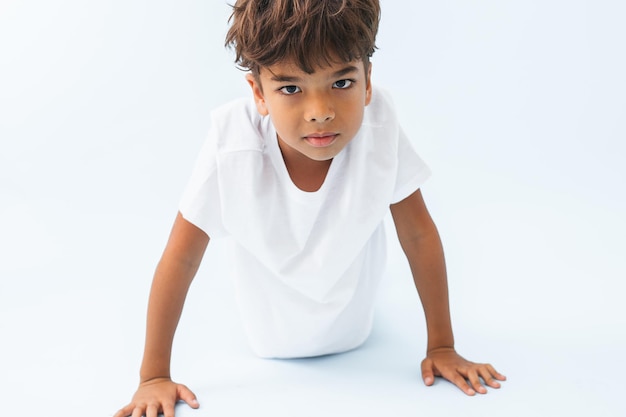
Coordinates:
(321, 140)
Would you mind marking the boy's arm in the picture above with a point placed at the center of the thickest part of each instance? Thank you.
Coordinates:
(420, 242)
(172, 278)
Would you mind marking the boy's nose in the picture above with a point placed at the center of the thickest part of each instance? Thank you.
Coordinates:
(319, 110)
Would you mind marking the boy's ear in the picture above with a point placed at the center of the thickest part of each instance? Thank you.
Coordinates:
(257, 92)
(368, 87)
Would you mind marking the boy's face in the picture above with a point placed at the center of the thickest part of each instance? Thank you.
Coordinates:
(315, 115)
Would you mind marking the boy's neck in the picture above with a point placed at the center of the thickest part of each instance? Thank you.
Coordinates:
(306, 173)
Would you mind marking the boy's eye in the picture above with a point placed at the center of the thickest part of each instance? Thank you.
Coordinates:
(342, 84)
(290, 90)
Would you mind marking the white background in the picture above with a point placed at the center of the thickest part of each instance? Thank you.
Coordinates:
(518, 106)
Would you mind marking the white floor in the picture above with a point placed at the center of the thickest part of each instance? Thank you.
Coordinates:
(519, 109)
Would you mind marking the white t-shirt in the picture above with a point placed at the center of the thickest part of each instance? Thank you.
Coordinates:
(307, 264)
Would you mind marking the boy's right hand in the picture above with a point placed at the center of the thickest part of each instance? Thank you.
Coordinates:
(156, 396)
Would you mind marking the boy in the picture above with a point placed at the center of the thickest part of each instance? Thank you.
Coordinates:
(301, 177)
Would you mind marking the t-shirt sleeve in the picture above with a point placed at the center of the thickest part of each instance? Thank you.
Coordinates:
(200, 203)
(412, 170)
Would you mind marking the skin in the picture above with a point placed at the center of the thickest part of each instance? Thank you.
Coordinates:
(329, 102)
(315, 115)
(172, 278)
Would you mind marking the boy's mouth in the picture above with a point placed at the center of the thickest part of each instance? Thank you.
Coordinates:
(321, 140)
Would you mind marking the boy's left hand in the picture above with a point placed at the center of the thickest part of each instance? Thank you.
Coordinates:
(445, 362)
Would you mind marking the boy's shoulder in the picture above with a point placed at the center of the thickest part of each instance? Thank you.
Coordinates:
(236, 110)
(237, 125)
(381, 109)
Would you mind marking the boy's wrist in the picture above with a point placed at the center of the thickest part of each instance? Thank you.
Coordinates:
(147, 380)
(439, 342)
(154, 365)
(146, 375)
(441, 348)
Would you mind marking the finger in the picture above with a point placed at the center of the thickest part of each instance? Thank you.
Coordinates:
(427, 372)
(138, 411)
(152, 410)
(474, 380)
(487, 376)
(187, 396)
(460, 382)
(125, 412)
(168, 410)
(495, 373)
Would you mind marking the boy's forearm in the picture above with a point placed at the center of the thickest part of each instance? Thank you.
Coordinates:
(167, 298)
(172, 278)
(426, 259)
(421, 244)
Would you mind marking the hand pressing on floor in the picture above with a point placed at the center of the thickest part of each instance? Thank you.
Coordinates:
(158, 395)
(446, 363)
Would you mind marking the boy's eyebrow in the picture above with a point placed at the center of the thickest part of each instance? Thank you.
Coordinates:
(347, 70)
(288, 78)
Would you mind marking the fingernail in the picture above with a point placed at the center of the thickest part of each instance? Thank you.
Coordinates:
(471, 392)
